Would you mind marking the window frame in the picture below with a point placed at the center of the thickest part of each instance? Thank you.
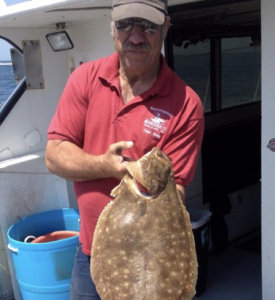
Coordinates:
(215, 74)
(17, 92)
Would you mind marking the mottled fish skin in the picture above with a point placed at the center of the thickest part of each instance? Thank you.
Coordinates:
(143, 247)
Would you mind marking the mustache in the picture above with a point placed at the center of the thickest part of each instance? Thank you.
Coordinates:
(137, 47)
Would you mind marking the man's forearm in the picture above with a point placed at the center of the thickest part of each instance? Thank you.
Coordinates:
(71, 162)
(67, 160)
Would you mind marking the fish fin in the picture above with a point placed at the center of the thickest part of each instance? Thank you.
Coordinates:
(115, 190)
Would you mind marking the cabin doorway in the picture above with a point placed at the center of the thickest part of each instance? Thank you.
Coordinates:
(215, 47)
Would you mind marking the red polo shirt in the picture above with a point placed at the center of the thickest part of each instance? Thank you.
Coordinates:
(92, 115)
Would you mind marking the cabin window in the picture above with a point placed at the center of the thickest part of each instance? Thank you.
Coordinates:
(224, 72)
(12, 76)
(7, 81)
(240, 71)
(192, 64)
(217, 52)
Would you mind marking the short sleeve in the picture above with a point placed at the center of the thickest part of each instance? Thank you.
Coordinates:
(68, 122)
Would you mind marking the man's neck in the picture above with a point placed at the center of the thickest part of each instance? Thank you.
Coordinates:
(134, 84)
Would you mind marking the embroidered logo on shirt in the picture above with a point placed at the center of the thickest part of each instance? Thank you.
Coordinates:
(155, 126)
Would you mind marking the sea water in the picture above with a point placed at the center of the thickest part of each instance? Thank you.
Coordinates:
(7, 82)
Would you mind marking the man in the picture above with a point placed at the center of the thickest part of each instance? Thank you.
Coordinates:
(116, 109)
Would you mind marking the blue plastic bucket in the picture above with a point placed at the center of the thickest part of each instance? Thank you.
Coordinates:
(43, 270)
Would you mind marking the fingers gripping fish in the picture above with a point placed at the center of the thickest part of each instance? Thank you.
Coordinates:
(143, 247)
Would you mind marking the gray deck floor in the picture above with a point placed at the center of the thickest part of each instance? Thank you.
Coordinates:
(233, 275)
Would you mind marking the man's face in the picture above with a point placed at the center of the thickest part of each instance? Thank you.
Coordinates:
(139, 49)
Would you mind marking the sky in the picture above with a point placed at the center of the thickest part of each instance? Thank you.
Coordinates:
(11, 2)
(4, 46)
(4, 50)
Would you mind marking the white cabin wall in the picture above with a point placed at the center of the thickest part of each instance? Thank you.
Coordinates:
(28, 188)
(35, 108)
(90, 42)
(268, 157)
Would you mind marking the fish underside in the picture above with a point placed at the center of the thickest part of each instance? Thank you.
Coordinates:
(143, 246)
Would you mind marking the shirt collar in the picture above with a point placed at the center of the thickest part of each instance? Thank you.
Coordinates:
(109, 70)
(162, 86)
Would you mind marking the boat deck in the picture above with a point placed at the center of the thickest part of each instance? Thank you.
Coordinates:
(235, 274)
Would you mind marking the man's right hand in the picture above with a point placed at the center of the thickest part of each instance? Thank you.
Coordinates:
(67, 160)
(114, 160)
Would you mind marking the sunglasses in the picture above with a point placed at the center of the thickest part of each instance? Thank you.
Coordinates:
(145, 25)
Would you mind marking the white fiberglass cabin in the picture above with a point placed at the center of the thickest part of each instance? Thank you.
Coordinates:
(224, 49)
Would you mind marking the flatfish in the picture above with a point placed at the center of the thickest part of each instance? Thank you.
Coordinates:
(143, 246)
